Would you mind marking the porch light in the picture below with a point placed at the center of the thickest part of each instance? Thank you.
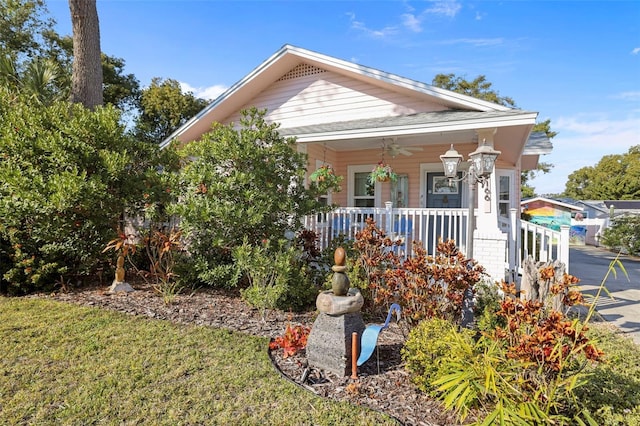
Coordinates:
(481, 162)
(450, 160)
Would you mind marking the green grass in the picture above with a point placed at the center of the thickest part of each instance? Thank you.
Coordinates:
(70, 365)
(613, 389)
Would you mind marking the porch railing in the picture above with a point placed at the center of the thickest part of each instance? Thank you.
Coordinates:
(427, 225)
(405, 225)
(543, 244)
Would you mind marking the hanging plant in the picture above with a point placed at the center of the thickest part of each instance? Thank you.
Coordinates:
(326, 179)
(382, 173)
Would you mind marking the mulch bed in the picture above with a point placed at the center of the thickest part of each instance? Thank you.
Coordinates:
(382, 383)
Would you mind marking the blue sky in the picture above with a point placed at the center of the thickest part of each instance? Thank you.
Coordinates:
(574, 62)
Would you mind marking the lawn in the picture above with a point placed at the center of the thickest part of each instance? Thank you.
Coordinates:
(64, 364)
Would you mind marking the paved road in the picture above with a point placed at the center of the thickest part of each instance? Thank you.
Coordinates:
(590, 264)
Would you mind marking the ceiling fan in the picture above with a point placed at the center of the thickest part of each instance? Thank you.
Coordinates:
(393, 149)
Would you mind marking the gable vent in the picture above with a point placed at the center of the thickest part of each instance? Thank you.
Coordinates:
(301, 70)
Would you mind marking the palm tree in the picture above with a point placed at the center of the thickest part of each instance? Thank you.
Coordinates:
(39, 78)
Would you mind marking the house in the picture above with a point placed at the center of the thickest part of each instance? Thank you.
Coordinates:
(554, 214)
(351, 117)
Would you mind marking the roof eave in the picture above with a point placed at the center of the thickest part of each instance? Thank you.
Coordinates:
(527, 118)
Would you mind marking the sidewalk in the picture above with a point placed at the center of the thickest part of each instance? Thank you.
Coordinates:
(622, 309)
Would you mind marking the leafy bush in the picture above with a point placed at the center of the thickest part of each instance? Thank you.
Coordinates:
(236, 184)
(487, 303)
(527, 371)
(430, 286)
(68, 174)
(277, 277)
(612, 391)
(623, 234)
(426, 348)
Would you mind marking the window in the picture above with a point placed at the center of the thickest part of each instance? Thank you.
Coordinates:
(504, 194)
(364, 192)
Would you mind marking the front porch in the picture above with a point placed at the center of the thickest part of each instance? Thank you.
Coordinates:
(426, 226)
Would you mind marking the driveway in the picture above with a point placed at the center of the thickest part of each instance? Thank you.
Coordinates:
(622, 309)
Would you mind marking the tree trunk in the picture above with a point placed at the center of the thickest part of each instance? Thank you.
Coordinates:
(534, 287)
(86, 86)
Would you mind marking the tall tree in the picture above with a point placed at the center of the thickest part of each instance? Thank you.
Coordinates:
(23, 28)
(86, 81)
(164, 108)
(615, 177)
(480, 88)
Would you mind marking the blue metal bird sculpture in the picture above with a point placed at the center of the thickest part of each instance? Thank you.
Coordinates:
(369, 338)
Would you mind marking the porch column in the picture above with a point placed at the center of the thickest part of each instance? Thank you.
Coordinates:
(489, 242)
(487, 219)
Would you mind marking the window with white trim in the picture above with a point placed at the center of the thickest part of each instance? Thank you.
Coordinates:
(361, 192)
(505, 191)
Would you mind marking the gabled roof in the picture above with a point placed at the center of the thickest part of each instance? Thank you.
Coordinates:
(551, 201)
(290, 56)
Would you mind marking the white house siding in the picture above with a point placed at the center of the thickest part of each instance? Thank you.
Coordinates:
(330, 97)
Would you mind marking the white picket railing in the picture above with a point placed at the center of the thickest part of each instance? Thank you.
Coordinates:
(428, 225)
(544, 244)
(404, 224)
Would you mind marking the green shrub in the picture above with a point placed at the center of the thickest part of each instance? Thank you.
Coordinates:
(487, 304)
(623, 234)
(277, 278)
(236, 184)
(426, 348)
(612, 391)
(68, 174)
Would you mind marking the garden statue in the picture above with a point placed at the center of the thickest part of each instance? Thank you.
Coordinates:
(119, 285)
(329, 343)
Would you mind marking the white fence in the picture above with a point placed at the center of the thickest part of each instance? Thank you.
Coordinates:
(428, 225)
(405, 225)
(543, 244)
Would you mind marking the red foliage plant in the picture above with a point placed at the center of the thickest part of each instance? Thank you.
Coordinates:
(544, 337)
(293, 341)
(425, 286)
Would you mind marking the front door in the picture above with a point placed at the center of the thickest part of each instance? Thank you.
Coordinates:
(442, 192)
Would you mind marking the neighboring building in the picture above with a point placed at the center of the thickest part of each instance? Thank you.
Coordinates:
(622, 207)
(351, 116)
(588, 218)
(550, 213)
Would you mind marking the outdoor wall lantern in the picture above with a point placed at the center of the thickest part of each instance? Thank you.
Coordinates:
(481, 165)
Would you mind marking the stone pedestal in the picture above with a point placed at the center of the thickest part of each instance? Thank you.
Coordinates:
(119, 287)
(329, 343)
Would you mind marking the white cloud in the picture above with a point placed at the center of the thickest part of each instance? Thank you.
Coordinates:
(208, 93)
(635, 51)
(629, 96)
(448, 8)
(582, 141)
(411, 22)
(361, 26)
(477, 42)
